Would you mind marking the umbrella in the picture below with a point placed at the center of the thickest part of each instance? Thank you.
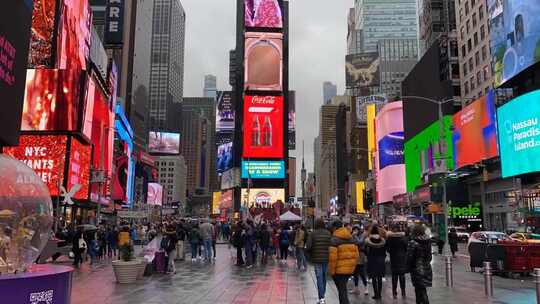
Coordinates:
(87, 227)
(290, 217)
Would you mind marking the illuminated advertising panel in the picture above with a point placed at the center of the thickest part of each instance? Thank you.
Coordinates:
(74, 34)
(225, 111)
(155, 194)
(263, 127)
(224, 143)
(360, 188)
(52, 100)
(475, 126)
(515, 36)
(114, 22)
(121, 178)
(226, 199)
(46, 155)
(216, 199)
(262, 198)
(263, 13)
(390, 167)
(362, 70)
(263, 169)
(519, 134)
(15, 23)
(41, 40)
(164, 143)
(263, 61)
(370, 109)
(292, 121)
(79, 168)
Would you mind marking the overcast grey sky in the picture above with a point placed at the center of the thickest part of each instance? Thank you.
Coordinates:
(317, 53)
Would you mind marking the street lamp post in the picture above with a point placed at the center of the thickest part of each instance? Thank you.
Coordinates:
(439, 104)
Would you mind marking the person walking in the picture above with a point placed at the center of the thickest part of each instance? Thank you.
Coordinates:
(207, 232)
(194, 241)
(343, 255)
(376, 255)
(318, 244)
(238, 243)
(181, 237)
(215, 235)
(299, 244)
(360, 269)
(396, 245)
(453, 241)
(169, 245)
(78, 247)
(250, 244)
(264, 243)
(284, 244)
(419, 262)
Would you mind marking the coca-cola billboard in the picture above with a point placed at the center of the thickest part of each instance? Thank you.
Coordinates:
(263, 127)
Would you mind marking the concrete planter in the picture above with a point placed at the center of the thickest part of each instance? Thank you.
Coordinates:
(126, 272)
(141, 268)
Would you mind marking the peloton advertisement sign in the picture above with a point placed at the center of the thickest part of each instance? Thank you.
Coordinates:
(263, 127)
(519, 135)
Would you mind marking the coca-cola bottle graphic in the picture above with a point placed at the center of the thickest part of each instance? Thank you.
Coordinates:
(255, 132)
(267, 132)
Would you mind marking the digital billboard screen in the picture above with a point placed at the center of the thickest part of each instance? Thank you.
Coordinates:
(515, 37)
(263, 13)
(74, 35)
(263, 169)
(121, 176)
(475, 126)
(164, 143)
(46, 155)
(52, 100)
(155, 194)
(262, 198)
(519, 134)
(216, 199)
(263, 127)
(225, 111)
(292, 121)
(224, 143)
(362, 70)
(79, 168)
(15, 23)
(226, 199)
(263, 62)
(42, 34)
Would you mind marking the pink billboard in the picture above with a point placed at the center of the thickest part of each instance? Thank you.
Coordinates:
(155, 194)
(389, 162)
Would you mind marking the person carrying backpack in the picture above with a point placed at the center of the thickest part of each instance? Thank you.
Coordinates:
(284, 244)
(168, 244)
(194, 241)
(238, 243)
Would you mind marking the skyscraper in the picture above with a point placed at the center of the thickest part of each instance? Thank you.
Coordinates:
(210, 86)
(167, 59)
(436, 17)
(329, 91)
(397, 58)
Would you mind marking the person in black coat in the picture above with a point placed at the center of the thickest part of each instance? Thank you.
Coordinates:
(419, 262)
(237, 240)
(453, 241)
(264, 243)
(376, 255)
(396, 245)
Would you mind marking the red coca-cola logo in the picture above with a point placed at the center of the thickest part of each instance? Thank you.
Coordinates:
(264, 100)
(263, 197)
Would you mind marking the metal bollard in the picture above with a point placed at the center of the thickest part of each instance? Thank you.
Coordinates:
(449, 272)
(488, 279)
(536, 275)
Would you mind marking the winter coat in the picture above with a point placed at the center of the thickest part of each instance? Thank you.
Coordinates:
(195, 236)
(264, 241)
(300, 238)
(284, 238)
(396, 245)
(376, 256)
(343, 253)
(359, 240)
(318, 244)
(238, 238)
(453, 241)
(419, 261)
(207, 230)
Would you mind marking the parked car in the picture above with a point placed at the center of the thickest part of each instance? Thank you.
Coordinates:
(532, 238)
(490, 237)
(462, 233)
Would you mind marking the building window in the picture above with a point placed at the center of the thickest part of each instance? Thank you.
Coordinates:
(482, 32)
(463, 51)
(464, 69)
(477, 58)
(469, 45)
(481, 12)
(468, 26)
(475, 39)
(484, 53)
(473, 2)
(486, 72)
(466, 7)
(474, 20)
(478, 78)
(466, 87)
(471, 65)
(171, 163)
(472, 82)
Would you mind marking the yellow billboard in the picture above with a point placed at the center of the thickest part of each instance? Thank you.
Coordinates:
(262, 198)
(371, 113)
(360, 187)
(216, 199)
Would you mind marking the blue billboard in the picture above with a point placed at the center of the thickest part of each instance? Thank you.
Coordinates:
(391, 150)
(263, 169)
(519, 134)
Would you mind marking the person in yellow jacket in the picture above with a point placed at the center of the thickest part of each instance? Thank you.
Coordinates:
(343, 255)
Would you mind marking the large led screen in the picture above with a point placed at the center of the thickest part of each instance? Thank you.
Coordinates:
(15, 23)
(263, 62)
(262, 198)
(121, 176)
(390, 167)
(292, 121)
(41, 40)
(263, 169)
(155, 194)
(225, 111)
(263, 127)
(224, 143)
(164, 143)
(263, 13)
(216, 199)
(515, 36)
(226, 199)
(52, 100)
(46, 155)
(79, 168)
(362, 70)
(74, 34)
(519, 135)
(475, 133)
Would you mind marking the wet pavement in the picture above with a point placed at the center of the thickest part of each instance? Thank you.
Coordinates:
(225, 283)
